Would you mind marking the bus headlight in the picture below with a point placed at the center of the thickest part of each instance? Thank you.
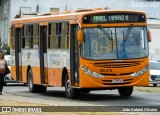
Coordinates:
(91, 73)
(140, 72)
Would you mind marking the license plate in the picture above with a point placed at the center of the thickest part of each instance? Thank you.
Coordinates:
(157, 78)
(117, 80)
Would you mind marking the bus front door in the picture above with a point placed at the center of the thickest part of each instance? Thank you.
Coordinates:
(74, 57)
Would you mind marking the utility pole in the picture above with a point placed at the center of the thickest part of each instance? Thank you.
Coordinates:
(0, 45)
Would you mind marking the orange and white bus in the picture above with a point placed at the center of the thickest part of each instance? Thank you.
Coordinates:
(82, 51)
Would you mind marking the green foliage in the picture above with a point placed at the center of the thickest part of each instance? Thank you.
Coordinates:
(7, 50)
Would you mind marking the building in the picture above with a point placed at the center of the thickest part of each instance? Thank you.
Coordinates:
(10, 8)
(154, 45)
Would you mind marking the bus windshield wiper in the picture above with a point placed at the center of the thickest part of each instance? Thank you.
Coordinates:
(105, 32)
(126, 37)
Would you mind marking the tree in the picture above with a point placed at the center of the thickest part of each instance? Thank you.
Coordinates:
(6, 50)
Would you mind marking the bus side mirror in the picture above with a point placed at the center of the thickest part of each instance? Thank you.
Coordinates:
(149, 36)
(80, 35)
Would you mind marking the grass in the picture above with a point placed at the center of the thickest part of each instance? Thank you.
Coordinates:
(149, 89)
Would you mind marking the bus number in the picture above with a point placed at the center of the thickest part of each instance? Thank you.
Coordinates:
(28, 55)
(105, 70)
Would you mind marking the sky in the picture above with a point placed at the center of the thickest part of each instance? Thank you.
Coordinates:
(151, 8)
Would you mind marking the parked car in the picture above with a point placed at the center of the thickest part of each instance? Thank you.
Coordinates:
(154, 73)
(8, 77)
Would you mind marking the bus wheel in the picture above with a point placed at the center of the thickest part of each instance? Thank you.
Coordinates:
(71, 93)
(42, 89)
(155, 85)
(32, 87)
(125, 91)
(5, 81)
(86, 90)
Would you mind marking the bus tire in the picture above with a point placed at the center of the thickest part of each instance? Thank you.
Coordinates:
(42, 89)
(155, 85)
(5, 81)
(86, 91)
(32, 87)
(125, 91)
(71, 93)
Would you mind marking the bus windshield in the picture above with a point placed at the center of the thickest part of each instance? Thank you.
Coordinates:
(114, 43)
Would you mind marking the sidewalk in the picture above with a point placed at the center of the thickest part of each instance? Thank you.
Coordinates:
(40, 102)
(13, 100)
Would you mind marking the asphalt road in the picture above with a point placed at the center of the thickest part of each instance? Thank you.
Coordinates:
(97, 98)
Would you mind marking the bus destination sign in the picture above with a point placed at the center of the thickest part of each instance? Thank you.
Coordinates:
(113, 18)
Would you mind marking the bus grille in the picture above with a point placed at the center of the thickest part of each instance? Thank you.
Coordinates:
(117, 64)
(116, 74)
(109, 82)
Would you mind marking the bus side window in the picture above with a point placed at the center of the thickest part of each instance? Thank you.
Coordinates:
(59, 35)
(49, 35)
(13, 36)
(52, 36)
(31, 36)
(25, 38)
(64, 42)
(35, 36)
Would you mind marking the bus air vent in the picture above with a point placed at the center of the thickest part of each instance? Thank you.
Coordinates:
(117, 64)
(108, 74)
(98, 9)
(109, 82)
(83, 10)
